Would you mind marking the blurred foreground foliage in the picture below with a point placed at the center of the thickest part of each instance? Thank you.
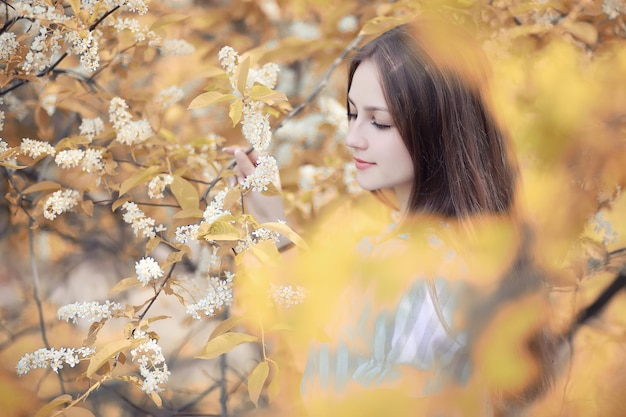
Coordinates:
(557, 87)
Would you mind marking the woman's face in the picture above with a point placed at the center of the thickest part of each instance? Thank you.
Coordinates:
(381, 158)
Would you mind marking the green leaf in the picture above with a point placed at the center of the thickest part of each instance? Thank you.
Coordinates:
(224, 343)
(207, 99)
(185, 192)
(138, 178)
(256, 381)
(236, 108)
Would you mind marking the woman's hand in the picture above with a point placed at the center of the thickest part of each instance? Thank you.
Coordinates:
(264, 208)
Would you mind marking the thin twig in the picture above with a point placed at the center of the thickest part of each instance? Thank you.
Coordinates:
(167, 278)
(35, 271)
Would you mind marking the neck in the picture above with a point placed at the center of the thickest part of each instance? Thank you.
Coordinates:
(403, 194)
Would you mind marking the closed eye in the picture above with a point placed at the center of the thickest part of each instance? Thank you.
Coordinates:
(351, 116)
(380, 126)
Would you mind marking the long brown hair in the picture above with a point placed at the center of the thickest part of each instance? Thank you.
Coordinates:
(433, 82)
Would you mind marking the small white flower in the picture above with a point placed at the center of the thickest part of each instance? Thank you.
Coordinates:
(218, 295)
(152, 366)
(184, 234)
(263, 175)
(169, 96)
(92, 160)
(90, 311)
(91, 127)
(36, 148)
(176, 47)
(60, 202)
(52, 358)
(157, 185)
(148, 270)
(286, 296)
(215, 209)
(69, 158)
(140, 223)
(8, 45)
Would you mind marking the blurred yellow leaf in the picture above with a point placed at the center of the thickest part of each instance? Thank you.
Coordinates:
(207, 99)
(242, 75)
(185, 192)
(168, 19)
(55, 403)
(274, 386)
(583, 31)
(262, 93)
(226, 325)
(189, 213)
(224, 343)
(77, 412)
(42, 186)
(102, 356)
(381, 24)
(286, 231)
(123, 285)
(219, 230)
(256, 381)
(236, 107)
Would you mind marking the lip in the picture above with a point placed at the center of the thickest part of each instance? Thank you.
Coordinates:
(361, 164)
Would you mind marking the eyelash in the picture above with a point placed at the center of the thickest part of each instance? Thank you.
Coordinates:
(352, 116)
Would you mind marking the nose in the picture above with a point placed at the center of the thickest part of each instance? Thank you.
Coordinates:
(355, 138)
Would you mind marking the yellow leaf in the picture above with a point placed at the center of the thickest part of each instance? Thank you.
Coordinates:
(123, 285)
(224, 343)
(57, 402)
(226, 325)
(119, 202)
(42, 186)
(207, 99)
(262, 93)
(256, 381)
(138, 178)
(274, 387)
(156, 399)
(235, 110)
(107, 352)
(191, 213)
(219, 230)
(583, 31)
(242, 75)
(185, 192)
(87, 207)
(168, 19)
(382, 24)
(77, 412)
(174, 257)
(152, 244)
(286, 231)
(266, 252)
(75, 4)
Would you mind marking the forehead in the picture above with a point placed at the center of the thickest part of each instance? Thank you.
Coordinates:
(366, 88)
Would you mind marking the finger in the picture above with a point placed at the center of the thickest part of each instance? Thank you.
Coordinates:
(244, 164)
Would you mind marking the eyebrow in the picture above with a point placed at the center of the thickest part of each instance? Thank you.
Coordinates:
(370, 108)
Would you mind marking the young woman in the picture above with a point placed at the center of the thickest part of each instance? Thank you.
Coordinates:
(420, 126)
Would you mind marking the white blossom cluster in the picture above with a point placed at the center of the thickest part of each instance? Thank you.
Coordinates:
(60, 202)
(152, 366)
(218, 295)
(141, 224)
(90, 160)
(55, 359)
(3, 146)
(256, 128)
(256, 125)
(157, 185)
(349, 179)
(147, 270)
(186, 233)
(134, 6)
(35, 9)
(140, 33)
(613, 8)
(36, 148)
(266, 171)
(262, 233)
(286, 296)
(91, 127)
(89, 310)
(15, 106)
(129, 132)
(8, 45)
(85, 45)
(604, 228)
(1, 120)
(309, 175)
(42, 51)
(169, 96)
(175, 47)
(335, 114)
(215, 209)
